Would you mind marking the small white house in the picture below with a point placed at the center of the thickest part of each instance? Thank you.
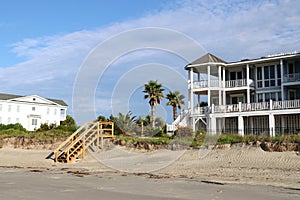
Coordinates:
(31, 111)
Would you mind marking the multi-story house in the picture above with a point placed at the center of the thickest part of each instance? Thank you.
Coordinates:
(31, 111)
(257, 96)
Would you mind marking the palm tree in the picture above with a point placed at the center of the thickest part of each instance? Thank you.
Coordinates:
(175, 100)
(125, 124)
(154, 92)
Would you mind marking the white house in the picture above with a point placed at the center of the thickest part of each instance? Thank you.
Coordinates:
(31, 111)
(251, 96)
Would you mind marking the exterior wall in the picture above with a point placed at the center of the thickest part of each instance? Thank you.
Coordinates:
(31, 114)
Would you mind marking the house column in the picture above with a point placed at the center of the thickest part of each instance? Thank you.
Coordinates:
(282, 78)
(272, 125)
(199, 79)
(248, 83)
(224, 92)
(191, 98)
(212, 125)
(241, 125)
(220, 84)
(208, 85)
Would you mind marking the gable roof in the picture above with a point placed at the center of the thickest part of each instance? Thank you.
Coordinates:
(12, 96)
(207, 58)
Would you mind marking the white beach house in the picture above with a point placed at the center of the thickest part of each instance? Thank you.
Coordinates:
(31, 111)
(247, 97)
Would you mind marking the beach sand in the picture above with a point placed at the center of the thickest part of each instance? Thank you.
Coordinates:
(241, 170)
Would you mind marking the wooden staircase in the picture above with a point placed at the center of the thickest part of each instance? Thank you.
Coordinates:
(87, 135)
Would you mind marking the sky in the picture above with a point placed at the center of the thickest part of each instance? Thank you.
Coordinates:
(96, 55)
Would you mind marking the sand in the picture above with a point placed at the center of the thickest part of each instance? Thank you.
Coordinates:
(248, 165)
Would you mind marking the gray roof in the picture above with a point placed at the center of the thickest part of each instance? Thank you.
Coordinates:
(207, 58)
(12, 96)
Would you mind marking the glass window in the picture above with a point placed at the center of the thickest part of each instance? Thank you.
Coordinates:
(266, 72)
(239, 75)
(272, 72)
(273, 96)
(291, 68)
(259, 97)
(259, 84)
(279, 82)
(272, 82)
(267, 83)
(278, 71)
(279, 96)
(267, 97)
(34, 122)
(33, 108)
(232, 76)
(259, 73)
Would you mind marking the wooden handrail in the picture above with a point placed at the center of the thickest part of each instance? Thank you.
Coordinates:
(84, 137)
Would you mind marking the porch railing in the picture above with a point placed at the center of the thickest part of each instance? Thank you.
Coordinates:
(228, 84)
(247, 107)
(291, 77)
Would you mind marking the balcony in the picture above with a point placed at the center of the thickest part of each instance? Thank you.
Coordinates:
(228, 84)
(291, 77)
(245, 107)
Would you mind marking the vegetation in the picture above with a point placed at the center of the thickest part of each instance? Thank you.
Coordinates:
(154, 92)
(175, 99)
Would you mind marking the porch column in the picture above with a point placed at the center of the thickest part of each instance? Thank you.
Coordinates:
(282, 78)
(199, 79)
(208, 84)
(241, 125)
(212, 125)
(224, 92)
(248, 83)
(191, 90)
(193, 124)
(272, 125)
(220, 85)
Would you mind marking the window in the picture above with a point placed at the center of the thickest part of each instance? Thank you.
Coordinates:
(18, 108)
(34, 122)
(260, 97)
(291, 68)
(259, 77)
(278, 75)
(9, 108)
(269, 96)
(33, 108)
(269, 76)
(279, 96)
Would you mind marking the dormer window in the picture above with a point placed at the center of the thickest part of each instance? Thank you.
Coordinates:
(33, 108)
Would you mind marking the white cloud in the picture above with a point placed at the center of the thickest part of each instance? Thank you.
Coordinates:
(232, 30)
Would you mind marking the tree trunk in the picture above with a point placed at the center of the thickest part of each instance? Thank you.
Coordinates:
(153, 116)
(174, 112)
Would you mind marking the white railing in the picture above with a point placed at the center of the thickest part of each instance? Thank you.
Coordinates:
(246, 107)
(216, 83)
(204, 84)
(291, 77)
(236, 83)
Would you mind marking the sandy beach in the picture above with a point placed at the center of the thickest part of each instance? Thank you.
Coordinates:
(241, 170)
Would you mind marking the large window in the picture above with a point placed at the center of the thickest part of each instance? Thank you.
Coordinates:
(278, 75)
(266, 76)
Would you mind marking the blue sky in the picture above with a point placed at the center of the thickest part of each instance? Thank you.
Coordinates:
(44, 44)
